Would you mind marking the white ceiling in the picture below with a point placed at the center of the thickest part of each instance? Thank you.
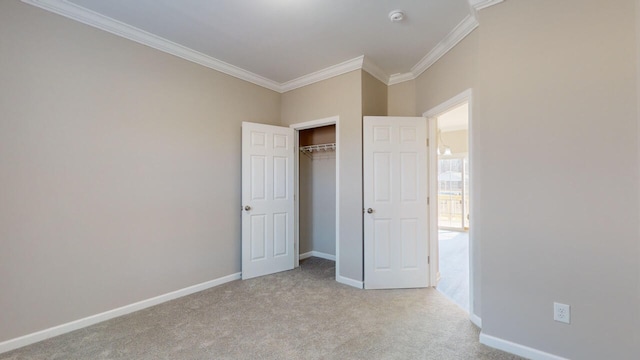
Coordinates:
(277, 42)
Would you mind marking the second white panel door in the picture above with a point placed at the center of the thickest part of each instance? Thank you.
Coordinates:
(395, 201)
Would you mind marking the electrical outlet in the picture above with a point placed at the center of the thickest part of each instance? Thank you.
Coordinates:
(562, 313)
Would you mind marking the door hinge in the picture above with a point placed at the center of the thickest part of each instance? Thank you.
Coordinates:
(428, 200)
(427, 142)
(428, 260)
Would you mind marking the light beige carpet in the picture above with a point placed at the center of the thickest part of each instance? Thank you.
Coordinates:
(298, 314)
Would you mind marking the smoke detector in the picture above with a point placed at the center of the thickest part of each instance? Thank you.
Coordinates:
(396, 15)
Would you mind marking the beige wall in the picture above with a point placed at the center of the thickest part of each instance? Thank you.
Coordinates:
(374, 96)
(452, 74)
(552, 105)
(120, 170)
(402, 99)
(557, 104)
(342, 96)
(110, 158)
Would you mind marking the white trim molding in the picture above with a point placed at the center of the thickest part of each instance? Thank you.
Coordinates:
(91, 18)
(375, 71)
(335, 70)
(482, 4)
(476, 320)
(102, 22)
(316, 123)
(465, 96)
(400, 78)
(317, 254)
(110, 314)
(516, 349)
(464, 28)
(350, 282)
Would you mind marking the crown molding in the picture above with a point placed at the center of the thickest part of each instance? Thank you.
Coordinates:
(398, 78)
(335, 70)
(482, 4)
(91, 18)
(464, 28)
(94, 19)
(375, 71)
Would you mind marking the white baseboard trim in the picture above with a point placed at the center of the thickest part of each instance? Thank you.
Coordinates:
(317, 254)
(35, 337)
(476, 320)
(516, 349)
(350, 282)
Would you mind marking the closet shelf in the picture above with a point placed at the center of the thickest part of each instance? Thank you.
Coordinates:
(310, 149)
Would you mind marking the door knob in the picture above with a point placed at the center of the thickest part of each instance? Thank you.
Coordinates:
(247, 208)
(369, 211)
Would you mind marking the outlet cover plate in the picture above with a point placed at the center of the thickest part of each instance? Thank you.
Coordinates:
(562, 313)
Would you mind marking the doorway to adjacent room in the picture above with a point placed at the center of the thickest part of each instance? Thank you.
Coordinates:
(453, 185)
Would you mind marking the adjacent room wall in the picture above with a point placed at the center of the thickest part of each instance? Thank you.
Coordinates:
(456, 140)
(557, 127)
(120, 170)
(342, 96)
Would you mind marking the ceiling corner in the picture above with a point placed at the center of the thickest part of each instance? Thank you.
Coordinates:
(478, 5)
(398, 78)
(91, 18)
(464, 28)
(374, 70)
(335, 70)
(75, 12)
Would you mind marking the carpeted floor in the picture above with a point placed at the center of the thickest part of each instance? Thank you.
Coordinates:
(298, 314)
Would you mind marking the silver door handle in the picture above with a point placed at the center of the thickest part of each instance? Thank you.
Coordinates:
(369, 211)
(247, 208)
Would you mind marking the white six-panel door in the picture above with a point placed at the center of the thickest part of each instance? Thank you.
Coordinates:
(395, 202)
(267, 199)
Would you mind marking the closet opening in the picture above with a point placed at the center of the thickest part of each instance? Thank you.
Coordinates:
(317, 190)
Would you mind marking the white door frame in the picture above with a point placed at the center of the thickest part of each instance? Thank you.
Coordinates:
(334, 120)
(431, 115)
